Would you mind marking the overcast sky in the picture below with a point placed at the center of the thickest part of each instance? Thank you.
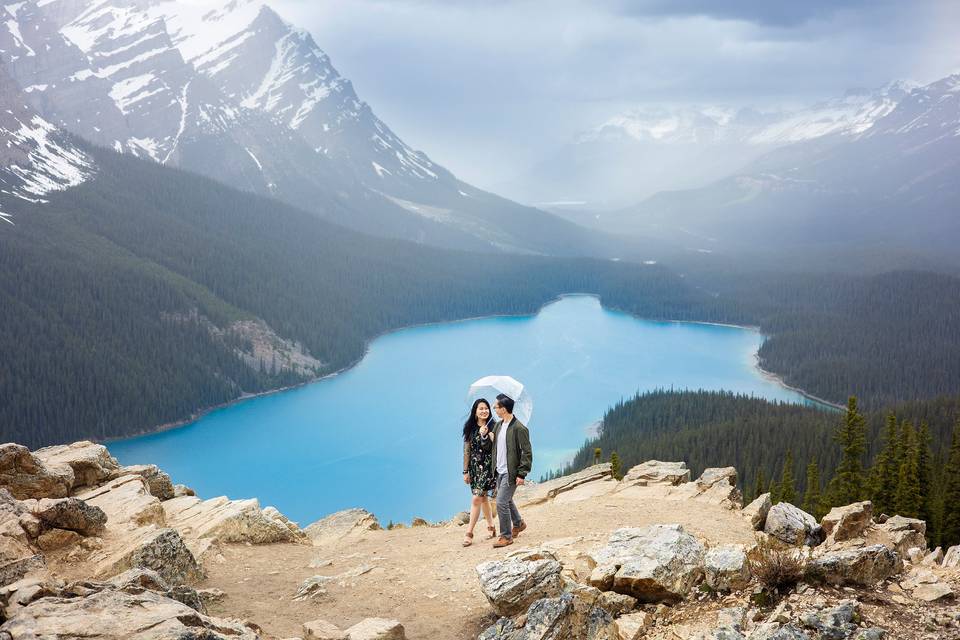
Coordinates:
(489, 87)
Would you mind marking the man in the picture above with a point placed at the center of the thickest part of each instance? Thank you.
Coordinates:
(514, 457)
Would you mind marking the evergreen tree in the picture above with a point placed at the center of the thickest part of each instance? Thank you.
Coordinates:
(950, 516)
(907, 501)
(615, 465)
(597, 455)
(760, 485)
(848, 483)
(886, 469)
(774, 490)
(812, 498)
(925, 476)
(788, 488)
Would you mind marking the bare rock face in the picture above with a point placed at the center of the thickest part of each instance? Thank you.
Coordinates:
(158, 481)
(341, 524)
(110, 614)
(900, 534)
(726, 568)
(757, 511)
(846, 523)
(719, 486)
(127, 501)
(376, 629)
(656, 563)
(657, 472)
(864, 566)
(792, 525)
(71, 514)
(951, 559)
(25, 475)
(91, 463)
(536, 493)
(512, 585)
(227, 520)
(162, 550)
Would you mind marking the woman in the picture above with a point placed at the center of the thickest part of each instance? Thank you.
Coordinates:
(478, 466)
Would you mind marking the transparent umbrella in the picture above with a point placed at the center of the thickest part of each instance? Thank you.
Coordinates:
(490, 386)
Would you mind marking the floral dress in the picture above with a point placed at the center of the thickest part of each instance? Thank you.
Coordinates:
(478, 460)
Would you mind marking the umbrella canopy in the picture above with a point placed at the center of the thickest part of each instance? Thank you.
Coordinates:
(490, 386)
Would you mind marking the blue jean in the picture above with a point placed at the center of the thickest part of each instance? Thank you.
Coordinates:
(506, 509)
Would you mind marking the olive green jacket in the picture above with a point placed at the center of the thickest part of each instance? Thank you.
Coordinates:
(519, 453)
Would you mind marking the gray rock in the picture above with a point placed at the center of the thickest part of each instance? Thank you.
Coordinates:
(933, 558)
(512, 585)
(792, 525)
(633, 626)
(757, 511)
(72, 514)
(932, 592)
(376, 629)
(91, 463)
(162, 550)
(161, 487)
(864, 566)
(341, 524)
(720, 633)
(564, 618)
(657, 472)
(653, 564)
(870, 634)
(25, 475)
(835, 623)
(773, 631)
(951, 558)
(902, 534)
(726, 568)
(845, 523)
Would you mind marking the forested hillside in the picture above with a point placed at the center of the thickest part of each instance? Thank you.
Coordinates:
(773, 444)
(117, 296)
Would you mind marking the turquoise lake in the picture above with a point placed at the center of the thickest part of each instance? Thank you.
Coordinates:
(385, 435)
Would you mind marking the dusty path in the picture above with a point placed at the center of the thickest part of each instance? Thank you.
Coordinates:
(422, 576)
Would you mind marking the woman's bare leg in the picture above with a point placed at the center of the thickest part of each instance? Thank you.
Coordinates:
(474, 512)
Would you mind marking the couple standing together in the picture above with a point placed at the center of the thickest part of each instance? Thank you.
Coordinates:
(496, 459)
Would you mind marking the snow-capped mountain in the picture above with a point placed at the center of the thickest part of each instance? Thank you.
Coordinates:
(645, 150)
(228, 89)
(36, 158)
(892, 179)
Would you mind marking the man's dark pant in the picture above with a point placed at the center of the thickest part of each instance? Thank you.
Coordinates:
(506, 509)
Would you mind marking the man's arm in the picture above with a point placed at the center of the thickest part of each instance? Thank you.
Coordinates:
(526, 453)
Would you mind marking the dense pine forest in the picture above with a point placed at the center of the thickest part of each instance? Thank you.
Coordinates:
(117, 298)
(905, 458)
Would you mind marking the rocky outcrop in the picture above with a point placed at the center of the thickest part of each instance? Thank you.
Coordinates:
(322, 630)
(228, 520)
(846, 523)
(725, 568)
(341, 524)
(716, 486)
(536, 493)
(91, 463)
(951, 559)
(757, 511)
(126, 501)
(159, 549)
(654, 472)
(900, 534)
(791, 525)
(71, 514)
(865, 566)
(109, 613)
(512, 585)
(567, 617)
(376, 629)
(25, 475)
(158, 481)
(652, 564)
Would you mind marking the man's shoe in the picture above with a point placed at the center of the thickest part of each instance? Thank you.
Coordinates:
(502, 542)
(521, 527)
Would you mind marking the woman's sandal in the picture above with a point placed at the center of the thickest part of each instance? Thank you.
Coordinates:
(468, 539)
(493, 533)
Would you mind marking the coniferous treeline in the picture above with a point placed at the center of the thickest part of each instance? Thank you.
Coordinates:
(905, 459)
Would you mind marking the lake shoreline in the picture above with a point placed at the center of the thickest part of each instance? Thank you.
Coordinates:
(197, 415)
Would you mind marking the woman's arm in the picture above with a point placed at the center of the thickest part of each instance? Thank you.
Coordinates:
(466, 457)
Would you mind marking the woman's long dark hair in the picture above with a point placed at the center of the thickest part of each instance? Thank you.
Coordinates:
(470, 426)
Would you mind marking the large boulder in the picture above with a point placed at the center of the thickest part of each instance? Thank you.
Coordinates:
(656, 472)
(718, 486)
(757, 511)
(91, 463)
(536, 493)
(111, 614)
(833, 623)
(71, 514)
(512, 585)
(846, 523)
(228, 520)
(865, 566)
(567, 617)
(376, 629)
(657, 563)
(341, 524)
(160, 549)
(25, 475)
(951, 559)
(726, 568)
(900, 534)
(158, 481)
(792, 525)
(126, 501)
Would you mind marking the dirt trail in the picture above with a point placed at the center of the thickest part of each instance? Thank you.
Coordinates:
(422, 576)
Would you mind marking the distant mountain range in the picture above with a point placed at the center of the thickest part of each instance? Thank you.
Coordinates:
(643, 151)
(895, 183)
(228, 89)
